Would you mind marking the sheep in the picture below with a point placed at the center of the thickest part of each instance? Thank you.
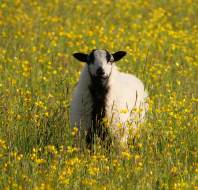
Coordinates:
(104, 99)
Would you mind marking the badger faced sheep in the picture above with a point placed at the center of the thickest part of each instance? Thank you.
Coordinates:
(102, 94)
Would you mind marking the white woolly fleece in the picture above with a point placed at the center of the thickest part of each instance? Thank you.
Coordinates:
(126, 93)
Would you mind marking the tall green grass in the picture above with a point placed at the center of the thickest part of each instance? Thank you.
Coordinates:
(38, 75)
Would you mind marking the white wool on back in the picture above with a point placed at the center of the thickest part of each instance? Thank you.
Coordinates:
(126, 93)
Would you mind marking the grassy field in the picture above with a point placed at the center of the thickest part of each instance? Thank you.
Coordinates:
(38, 75)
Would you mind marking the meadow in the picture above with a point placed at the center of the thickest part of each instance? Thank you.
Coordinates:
(38, 75)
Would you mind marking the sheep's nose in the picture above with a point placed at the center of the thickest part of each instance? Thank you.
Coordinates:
(100, 71)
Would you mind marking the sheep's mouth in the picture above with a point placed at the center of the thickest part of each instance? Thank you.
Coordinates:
(101, 77)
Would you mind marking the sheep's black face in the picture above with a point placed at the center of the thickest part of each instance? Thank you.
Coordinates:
(100, 62)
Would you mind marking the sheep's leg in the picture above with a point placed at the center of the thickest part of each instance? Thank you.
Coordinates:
(104, 135)
(90, 137)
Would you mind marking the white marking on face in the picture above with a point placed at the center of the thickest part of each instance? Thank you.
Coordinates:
(100, 60)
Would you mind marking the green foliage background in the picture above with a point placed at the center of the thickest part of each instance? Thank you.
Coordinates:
(38, 75)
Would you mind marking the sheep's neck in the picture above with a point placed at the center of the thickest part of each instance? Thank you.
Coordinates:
(98, 90)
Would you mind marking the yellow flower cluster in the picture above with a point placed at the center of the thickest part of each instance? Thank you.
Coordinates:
(38, 74)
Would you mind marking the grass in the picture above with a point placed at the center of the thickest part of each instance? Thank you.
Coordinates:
(38, 75)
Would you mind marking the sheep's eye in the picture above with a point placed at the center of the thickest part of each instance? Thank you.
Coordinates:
(111, 61)
(90, 63)
(91, 58)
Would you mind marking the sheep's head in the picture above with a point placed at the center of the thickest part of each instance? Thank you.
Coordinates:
(100, 61)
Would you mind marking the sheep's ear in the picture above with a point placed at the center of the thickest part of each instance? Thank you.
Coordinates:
(119, 55)
(81, 56)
